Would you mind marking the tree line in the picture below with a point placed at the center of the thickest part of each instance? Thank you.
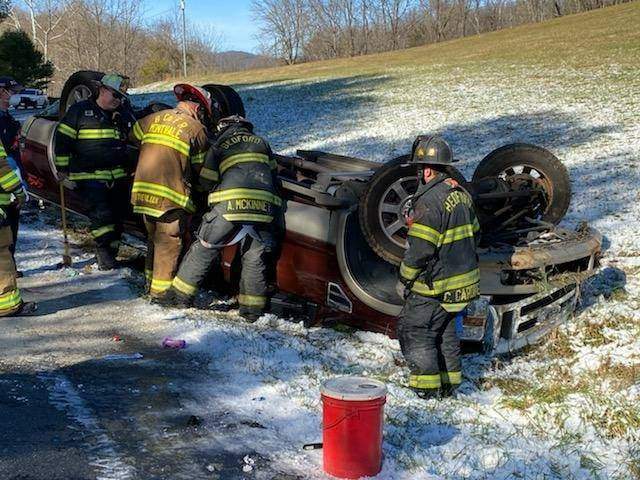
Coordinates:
(110, 35)
(304, 30)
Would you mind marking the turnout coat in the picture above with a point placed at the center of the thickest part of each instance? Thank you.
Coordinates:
(172, 149)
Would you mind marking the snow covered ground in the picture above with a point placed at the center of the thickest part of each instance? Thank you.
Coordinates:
(567, 409)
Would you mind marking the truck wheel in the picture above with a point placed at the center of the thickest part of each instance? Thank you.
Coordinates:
(227, 99)
(381, 205)
(525, 163)
(80, 86)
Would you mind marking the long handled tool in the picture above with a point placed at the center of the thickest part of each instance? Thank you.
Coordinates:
(66, 258)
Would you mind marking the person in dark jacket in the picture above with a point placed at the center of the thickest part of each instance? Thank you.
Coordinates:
(439, 271)
(12, 195)
(91, 153)
(9, 136)
(240, 173)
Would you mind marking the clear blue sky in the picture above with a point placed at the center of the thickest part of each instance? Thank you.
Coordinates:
(231, 18)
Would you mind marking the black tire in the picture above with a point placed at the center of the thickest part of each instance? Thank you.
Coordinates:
(227, 99)
(373, 221)
(83, 78)
(553, 174)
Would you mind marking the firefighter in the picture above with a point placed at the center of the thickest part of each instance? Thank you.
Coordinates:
(173, 146)
(9, 136)
(244, 208)
(91, 156)
(439, 271)
(10, 188)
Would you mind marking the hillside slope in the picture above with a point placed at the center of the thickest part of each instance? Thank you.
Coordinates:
(608, 36)
(569, 409)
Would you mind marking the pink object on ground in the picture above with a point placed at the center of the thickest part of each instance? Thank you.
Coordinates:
(171, 343)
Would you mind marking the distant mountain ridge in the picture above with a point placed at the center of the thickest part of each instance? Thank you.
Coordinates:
(236, 60)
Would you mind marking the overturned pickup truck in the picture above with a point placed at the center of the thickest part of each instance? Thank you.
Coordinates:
(345, 234)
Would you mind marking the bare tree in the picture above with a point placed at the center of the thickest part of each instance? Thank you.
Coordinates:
(283, 26)
(45, 20)
(129, 27)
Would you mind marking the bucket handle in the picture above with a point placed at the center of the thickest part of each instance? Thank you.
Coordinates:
(353, 413)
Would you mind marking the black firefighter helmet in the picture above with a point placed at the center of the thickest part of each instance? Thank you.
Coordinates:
(430, 150)
(232, 120)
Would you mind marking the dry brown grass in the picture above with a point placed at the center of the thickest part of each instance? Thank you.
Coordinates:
(558, 345)
(620, 376)
(617, 421)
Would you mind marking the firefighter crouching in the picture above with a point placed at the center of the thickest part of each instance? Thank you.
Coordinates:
(91, 153)
(439, 270)
(240, 174)
(173, 146)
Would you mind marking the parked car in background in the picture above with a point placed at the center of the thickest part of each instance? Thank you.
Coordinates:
(29, 98)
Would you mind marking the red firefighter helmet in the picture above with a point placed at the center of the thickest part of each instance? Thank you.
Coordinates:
(185, 92)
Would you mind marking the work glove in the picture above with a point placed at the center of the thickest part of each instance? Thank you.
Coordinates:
(402, 290)
(68, 184)
(63, 178)
(3, 218)
(21, 197)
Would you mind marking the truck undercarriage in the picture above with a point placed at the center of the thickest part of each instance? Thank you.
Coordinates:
(345, 235)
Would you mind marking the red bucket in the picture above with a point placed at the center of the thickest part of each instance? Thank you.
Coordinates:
(352, 419)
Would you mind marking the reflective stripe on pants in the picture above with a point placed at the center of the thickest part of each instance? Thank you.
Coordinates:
(164, 247)
(10, 299)
(429, 343)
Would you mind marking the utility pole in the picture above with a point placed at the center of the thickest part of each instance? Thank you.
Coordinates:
(184, 40)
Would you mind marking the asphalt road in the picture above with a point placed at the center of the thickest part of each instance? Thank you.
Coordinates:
(70, 410)
(75, 404)
(111, 419)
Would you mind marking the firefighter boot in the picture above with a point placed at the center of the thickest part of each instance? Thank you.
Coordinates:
(427, 393)
(249, 316)
(26, 309)
(106, 259)
(449, 390)
(173, 299)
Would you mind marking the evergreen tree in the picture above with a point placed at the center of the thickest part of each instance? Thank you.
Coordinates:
(5, 8)
(20, 60)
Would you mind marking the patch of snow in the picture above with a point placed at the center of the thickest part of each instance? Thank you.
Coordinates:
(515, 417)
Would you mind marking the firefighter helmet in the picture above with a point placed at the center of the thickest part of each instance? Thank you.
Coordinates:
(431, 150)
(227, 122)
(118, 84)
(185, 92)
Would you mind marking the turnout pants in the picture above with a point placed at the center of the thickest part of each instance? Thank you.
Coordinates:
(13, 217)
(165, 240)
(214, 233)
(108, 205)
(10, 300)
(429, 343)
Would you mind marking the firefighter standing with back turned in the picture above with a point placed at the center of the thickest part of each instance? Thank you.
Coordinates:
(11, 195)
(439, 271)
(91, 153)
(9, 135)
(240, 172)
(173, 146)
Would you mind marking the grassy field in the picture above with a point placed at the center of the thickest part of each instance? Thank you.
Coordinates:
(566, 409)
(605, 37)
